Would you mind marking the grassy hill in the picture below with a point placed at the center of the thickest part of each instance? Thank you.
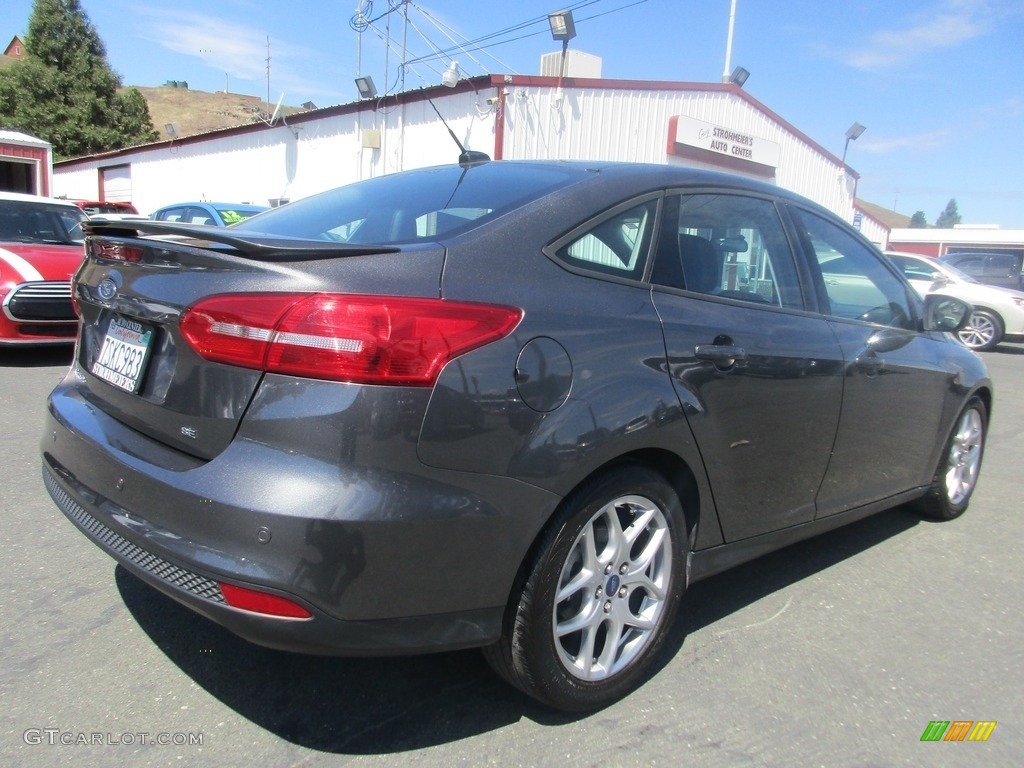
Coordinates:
(201, 112)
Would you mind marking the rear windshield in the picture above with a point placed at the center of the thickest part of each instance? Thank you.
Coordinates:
(31, 222)
(417, 205)
(93, 208)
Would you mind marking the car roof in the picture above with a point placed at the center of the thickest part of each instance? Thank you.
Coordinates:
(213, 204)
(20, 197)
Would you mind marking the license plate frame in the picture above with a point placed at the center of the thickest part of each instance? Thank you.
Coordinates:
(124, 353)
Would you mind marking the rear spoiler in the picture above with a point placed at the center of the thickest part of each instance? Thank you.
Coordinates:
(254, 245)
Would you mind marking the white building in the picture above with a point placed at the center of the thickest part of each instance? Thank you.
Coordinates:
(715, 125)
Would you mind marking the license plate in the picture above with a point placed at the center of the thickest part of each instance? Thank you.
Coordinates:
(123, 353)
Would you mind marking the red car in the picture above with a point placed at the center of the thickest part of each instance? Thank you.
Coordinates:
(40, 249)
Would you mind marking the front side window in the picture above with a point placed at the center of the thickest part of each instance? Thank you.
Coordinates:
(857, 283)
(729, 246)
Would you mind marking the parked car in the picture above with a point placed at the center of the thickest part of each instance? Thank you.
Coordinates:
(109, 211)
(215, 214)
(1002, 268)
(998, 314)
(106, 208)
(515, 405)
(40, 249)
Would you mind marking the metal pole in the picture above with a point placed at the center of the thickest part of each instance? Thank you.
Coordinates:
(728, 43)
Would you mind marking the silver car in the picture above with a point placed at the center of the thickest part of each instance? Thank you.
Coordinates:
(998, 312)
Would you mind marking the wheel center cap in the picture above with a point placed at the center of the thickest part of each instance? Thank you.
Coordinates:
(612, 586)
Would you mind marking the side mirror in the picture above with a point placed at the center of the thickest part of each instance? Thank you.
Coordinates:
(944, 313)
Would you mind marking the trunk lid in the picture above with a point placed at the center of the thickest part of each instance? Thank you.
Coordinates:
(133, 289)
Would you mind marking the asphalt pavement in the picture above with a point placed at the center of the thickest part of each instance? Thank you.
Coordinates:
(839, 651)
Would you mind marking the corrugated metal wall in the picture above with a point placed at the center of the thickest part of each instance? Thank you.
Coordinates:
(632, 125)
(314, 153)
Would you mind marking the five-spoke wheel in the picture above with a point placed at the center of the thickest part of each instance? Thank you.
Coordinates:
(599, 594)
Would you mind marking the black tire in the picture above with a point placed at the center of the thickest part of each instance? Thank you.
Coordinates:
(959, 465)
(643, 569)
(984, 331)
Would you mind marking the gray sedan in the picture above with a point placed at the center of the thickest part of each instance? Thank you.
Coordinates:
(520, 406)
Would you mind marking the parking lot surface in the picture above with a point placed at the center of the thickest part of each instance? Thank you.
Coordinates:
(839, 651)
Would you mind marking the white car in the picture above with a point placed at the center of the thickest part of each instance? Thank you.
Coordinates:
(998, 312)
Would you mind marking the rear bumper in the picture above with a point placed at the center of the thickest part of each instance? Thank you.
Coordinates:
(320, 634)
(387, 561)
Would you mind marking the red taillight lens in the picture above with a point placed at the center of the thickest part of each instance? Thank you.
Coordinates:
(262, 602)
(363, 339)
(102, 249)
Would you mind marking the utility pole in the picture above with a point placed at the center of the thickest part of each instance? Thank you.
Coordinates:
(268, 78)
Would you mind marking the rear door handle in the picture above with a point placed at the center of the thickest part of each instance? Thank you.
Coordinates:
(724, 356)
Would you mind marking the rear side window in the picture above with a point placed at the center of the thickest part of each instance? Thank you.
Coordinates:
(730, 246)
(616, 245)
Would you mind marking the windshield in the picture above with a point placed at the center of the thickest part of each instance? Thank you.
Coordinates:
(23, 221)
(412, 206)
(235, 214)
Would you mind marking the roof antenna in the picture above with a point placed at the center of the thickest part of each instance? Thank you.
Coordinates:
(468, 157)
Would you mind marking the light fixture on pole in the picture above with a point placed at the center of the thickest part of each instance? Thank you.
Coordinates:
(451, 76)
(852, 134)
(562, 28)
(739, 76)
(366, 88)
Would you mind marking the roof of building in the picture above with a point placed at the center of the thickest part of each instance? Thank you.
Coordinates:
(888, 218)
(17, 137)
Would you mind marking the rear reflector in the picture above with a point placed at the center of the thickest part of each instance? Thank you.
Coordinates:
(262, 602)
(395, 340)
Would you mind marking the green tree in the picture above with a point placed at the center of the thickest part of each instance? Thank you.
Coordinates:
(64, 90)
(949, 217)
(918, 221)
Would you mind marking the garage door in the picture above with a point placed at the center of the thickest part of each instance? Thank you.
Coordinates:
(116, 183)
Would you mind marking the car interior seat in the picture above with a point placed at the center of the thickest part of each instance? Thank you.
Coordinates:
(702, 264)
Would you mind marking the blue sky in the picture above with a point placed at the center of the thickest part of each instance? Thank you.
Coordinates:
(936, 82)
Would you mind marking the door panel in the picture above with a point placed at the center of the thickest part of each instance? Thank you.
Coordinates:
(883, 365)
(759, 378)
(762, 391)
(886, 358)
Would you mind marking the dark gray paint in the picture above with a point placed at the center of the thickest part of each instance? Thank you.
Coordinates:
(401, 516)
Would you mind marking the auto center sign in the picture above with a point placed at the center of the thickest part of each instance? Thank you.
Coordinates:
(722, 140)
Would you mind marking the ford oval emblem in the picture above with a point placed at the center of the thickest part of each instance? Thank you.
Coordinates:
(107, 289)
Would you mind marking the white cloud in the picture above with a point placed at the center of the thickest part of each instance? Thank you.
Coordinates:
(947, 25)
(221, 44)
(230, 47)
(914, 142)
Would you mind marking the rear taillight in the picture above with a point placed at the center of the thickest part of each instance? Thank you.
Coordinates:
(356, 338)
